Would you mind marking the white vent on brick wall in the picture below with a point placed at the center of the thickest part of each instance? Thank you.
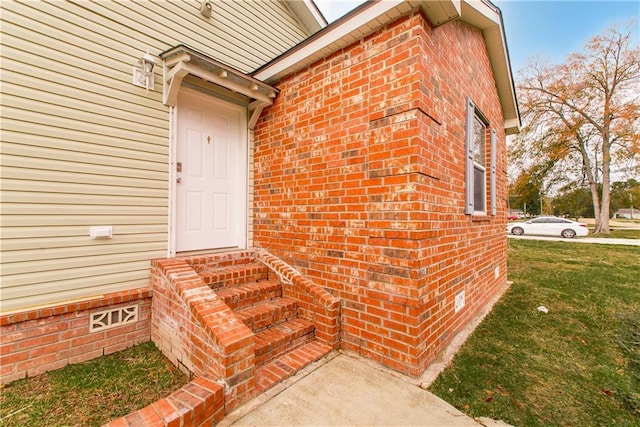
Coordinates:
(111, 318)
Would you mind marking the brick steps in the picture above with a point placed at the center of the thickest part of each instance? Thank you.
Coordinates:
(284, 343)
(268, 313)
(289, 364)
(226, 276)
(273, 342)
(241, 296)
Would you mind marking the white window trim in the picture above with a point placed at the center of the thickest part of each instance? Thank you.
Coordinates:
(470, 164)
(492, 183)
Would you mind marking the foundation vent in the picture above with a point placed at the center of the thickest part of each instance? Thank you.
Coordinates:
(107, 319)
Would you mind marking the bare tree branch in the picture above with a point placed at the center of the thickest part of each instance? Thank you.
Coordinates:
(586, 110)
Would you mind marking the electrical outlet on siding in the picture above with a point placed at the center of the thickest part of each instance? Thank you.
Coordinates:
(496, 272)
(459, 301)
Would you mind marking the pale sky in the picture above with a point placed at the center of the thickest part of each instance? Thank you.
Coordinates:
(550, 28)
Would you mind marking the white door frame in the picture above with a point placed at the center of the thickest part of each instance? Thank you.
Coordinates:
(244, 154)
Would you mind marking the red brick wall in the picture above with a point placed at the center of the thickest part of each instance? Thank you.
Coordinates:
(199, 403)
(359, 183)
(198, 332)
(40, 340)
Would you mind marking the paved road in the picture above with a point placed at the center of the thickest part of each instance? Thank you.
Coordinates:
(603, 240)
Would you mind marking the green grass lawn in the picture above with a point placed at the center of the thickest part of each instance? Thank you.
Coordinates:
(91, 393)
(577, 365)
(618, 233)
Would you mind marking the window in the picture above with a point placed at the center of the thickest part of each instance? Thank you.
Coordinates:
(558, 221)
(476, 162)
(539, 221)
(479, 169)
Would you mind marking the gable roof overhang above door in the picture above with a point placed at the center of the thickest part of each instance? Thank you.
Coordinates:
(180, 61)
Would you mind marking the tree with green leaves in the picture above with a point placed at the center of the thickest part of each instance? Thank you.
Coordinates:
(582, 117)
(625, 195)
(525, 192)
(573, 202)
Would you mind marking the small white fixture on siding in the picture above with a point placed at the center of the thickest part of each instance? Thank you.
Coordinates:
(496, 272)
(143, 74)
(101, 232)
(111, 318)
(205, 8)
(459, 301)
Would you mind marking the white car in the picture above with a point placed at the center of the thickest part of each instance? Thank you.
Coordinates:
(549, 226)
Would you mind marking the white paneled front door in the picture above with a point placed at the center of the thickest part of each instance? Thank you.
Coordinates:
(210, 173)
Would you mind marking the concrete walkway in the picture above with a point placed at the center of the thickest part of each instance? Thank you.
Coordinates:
(601, 240)
(347, 390)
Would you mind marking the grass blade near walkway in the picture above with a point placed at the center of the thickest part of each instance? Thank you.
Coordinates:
(578, 364)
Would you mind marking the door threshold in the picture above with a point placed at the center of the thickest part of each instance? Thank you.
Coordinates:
(207, 251)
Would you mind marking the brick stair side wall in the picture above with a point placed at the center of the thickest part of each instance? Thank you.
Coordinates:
(199, 403)
(314, 303)
(45, 339)
(197, 331)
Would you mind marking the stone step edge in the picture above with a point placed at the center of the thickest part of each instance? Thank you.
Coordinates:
(289, 364)
(267, 314)
(274, 342)
(241, 296)
(221, 277)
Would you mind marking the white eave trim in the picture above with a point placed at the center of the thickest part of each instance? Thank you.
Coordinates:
(181, 61)
(308, 14)
(315, 13)
(485, 16)
(335, 36)
(372, 15)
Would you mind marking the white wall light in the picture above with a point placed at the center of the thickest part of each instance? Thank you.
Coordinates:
(143, 73)
(205, 8)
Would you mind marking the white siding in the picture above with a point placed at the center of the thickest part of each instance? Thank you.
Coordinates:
(82, 146)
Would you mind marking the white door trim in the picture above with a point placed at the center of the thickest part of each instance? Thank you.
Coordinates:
(173, 139)
(244, 174)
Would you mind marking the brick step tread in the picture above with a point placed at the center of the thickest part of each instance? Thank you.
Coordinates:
(268, 313)
(279, 339)
(289, 364)
(241, 296)
(231, 275)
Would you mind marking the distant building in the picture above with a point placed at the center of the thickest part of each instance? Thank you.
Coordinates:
(631, 213)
